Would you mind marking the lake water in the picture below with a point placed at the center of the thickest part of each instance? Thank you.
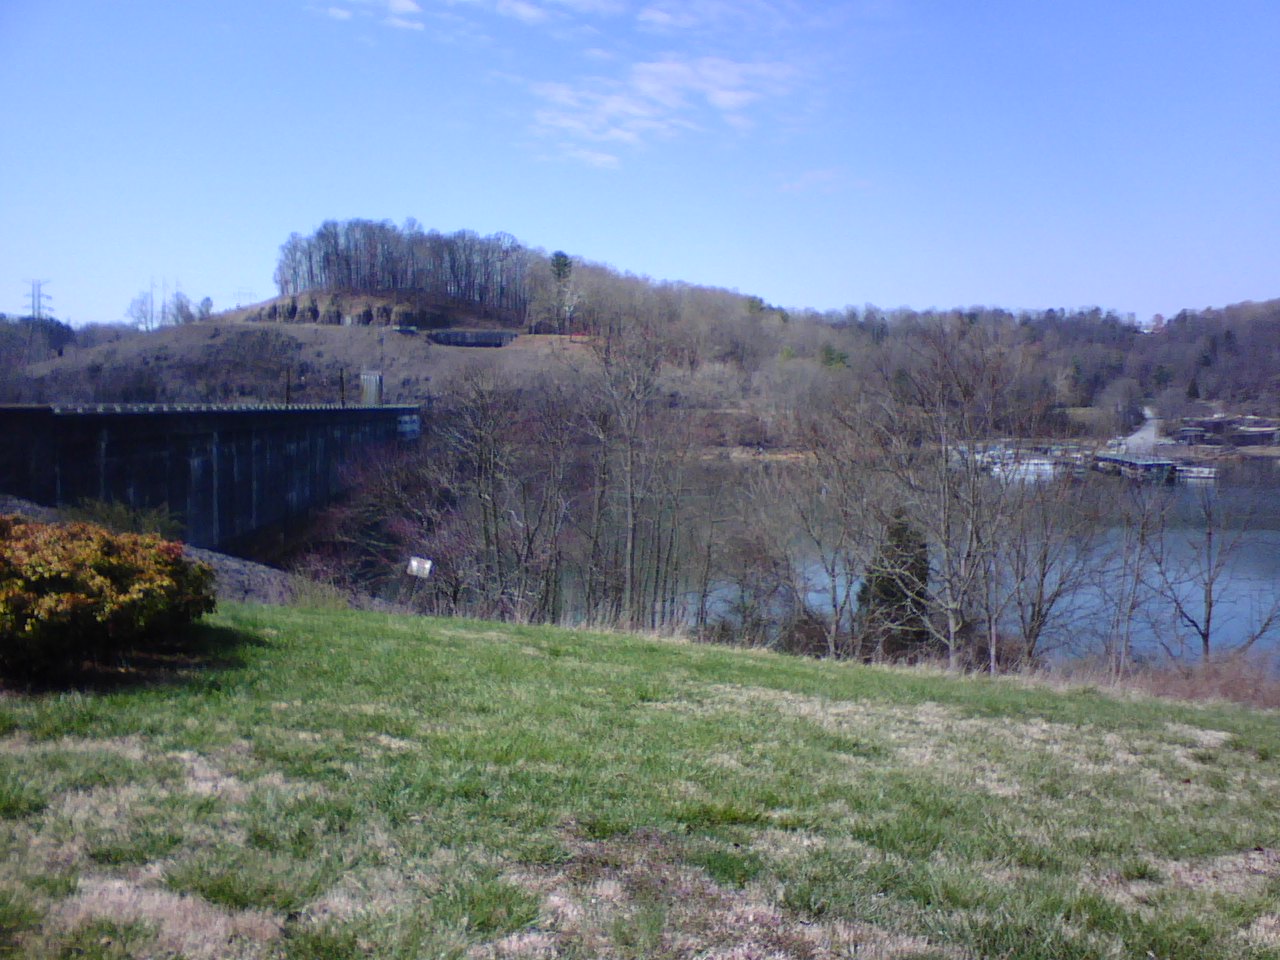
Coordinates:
(1246, 501)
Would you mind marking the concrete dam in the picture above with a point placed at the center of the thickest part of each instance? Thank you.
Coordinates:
(226, 471)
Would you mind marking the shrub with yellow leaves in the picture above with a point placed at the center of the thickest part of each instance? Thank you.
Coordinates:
(73, 592)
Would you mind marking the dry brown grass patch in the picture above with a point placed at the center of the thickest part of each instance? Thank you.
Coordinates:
(789, 844)
(184, 925)
(206, 779)
(377, 891)
(38, 852)
(84, 810)
(1199, 736)
(995, 756)
(1264, 932)
(1235, 874)
(130, 748)
(634, 896)
(394, 744)
(1250, 679)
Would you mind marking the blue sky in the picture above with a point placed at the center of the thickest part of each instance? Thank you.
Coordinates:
(900, 152)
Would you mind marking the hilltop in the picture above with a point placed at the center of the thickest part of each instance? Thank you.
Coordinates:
(298, 783)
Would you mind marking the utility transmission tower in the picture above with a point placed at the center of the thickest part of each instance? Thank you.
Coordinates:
(38, 298)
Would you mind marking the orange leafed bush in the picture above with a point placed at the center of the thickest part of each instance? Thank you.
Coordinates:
(70, 592)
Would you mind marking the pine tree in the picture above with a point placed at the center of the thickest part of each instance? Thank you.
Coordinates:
(893, 598)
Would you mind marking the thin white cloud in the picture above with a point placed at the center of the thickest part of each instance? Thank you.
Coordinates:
(736, 15)
(826, 181)
(607, 114)
(338, 13)
(665, 19)
(636, 96)
(725, 85)
(726, 82)
(602, 7)
(523, 11)
(656, 100)
(402, 15)
(594, 158)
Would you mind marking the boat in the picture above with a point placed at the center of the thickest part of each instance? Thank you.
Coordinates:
(1025, 469)
(1197, 472)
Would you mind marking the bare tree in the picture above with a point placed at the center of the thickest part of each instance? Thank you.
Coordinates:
(1122, 577)
(628, 357)
(1192, 571)
(142, 311)
(946, 396)
(1049, 552)
(932, 412)
(830, 501)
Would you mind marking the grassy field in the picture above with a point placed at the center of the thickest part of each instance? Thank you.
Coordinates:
(310, 784)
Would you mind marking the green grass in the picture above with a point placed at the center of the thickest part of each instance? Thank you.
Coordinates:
(337, 784)
(18, 796)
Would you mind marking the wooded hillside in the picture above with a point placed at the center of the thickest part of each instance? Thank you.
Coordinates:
(375, 274)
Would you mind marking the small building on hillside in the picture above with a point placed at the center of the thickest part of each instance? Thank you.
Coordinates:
(472, 338)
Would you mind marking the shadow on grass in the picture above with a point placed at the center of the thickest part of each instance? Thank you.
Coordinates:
(170, 660)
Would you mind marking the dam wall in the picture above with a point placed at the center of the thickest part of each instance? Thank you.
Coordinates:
(226, 471)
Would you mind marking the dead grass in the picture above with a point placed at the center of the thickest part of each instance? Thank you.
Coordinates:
(184, 925)
(206, 779)
(1264, 932)
(131, 748)
(1003, 758)
(636, 897)
(1252, 679)
(382, 890)
(1235, 875)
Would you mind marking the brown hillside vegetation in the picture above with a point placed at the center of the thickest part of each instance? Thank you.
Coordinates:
(229, 361)
(355, 309)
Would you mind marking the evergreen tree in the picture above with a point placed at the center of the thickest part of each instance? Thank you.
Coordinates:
(561, 266)
(893, 598)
